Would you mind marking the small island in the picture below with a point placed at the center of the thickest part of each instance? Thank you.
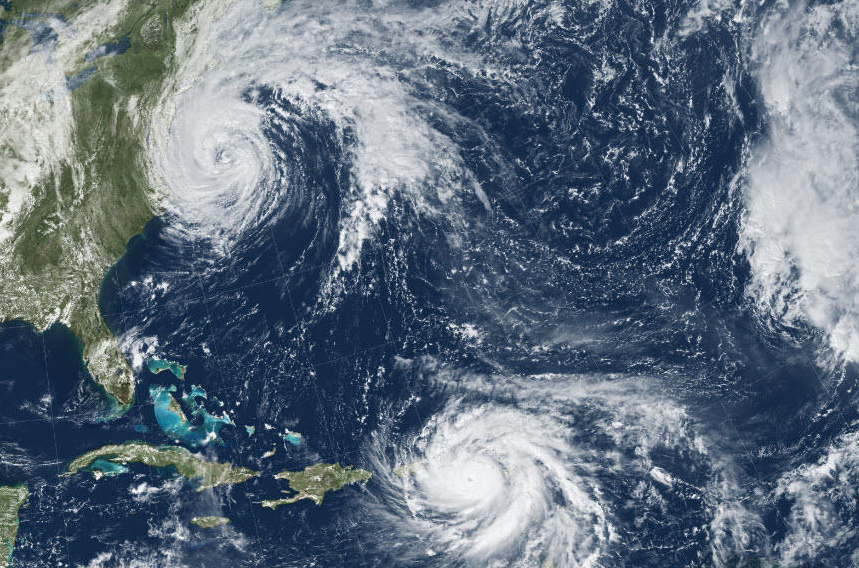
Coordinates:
(157, 365)
(315, 481)
(209, 521)
(191, 466)
(406, 469)
(11, 500)
(293, 438)
(270, 453)
(173, 422)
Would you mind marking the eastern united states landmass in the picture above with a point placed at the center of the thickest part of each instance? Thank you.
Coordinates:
(76, 181)
(12, 498)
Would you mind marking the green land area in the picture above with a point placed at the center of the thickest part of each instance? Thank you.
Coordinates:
(11, 501)
(189, 465)
(315, 481)
(406, 469)
(209, 521)
(75, 170)
(158, 365)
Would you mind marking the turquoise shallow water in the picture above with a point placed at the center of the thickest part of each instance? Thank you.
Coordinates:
(108, 468)
(157, 365)
(570, 347)
(176, 425)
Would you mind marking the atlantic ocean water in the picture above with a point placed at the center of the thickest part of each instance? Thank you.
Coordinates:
(518, 248)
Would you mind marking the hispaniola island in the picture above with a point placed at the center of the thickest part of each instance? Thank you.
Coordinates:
(429, 284)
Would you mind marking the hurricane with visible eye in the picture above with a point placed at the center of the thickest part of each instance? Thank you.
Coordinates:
(488, 482)
(533, 481)
(230, 166)
(561, 284)
(555, 470)
(219, 164)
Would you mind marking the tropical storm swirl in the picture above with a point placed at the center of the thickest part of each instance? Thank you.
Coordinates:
(429, 283)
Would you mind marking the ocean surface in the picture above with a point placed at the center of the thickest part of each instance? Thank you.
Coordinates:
(588, 269)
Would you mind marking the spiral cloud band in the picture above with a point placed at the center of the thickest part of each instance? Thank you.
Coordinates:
(533, 481)
(224, 167)
(218, 163)
(490, 482)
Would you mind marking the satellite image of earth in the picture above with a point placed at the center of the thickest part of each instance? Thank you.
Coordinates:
(429, 283)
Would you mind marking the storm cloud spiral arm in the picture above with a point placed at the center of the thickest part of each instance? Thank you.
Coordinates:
(429, 283)
(225, 162)
(489, 482)
(531, 480)
(219, 163)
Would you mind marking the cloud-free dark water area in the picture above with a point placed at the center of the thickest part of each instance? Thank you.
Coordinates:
(495, 254)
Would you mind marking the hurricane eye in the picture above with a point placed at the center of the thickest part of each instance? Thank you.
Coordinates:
(224, 156)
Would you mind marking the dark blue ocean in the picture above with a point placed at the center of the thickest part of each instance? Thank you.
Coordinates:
(605, 256)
